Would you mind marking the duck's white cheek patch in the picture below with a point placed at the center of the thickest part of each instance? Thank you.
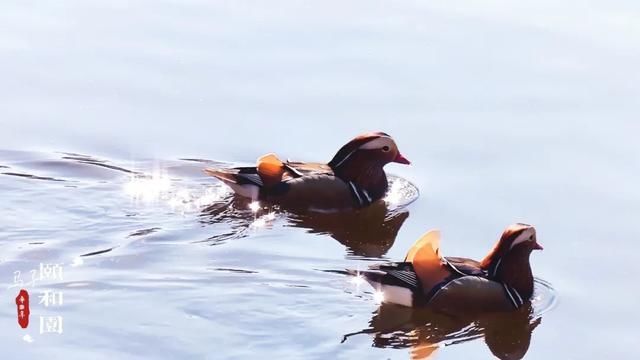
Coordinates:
(527, 235)
(378, 143)
(397, 295)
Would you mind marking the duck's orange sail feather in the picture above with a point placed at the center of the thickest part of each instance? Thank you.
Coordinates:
(426, 260)
(271, 169)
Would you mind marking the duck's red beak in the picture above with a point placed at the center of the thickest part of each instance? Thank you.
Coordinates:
(537, 246)
(401, 159)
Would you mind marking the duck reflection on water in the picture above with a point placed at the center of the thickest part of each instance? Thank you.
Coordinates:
(424, 331)
(368, 232)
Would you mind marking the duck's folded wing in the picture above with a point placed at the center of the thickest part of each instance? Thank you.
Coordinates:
(307, 168)
(465, 266)
(252, 175)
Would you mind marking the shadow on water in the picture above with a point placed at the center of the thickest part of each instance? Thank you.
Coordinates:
(369, 232)
(507, 335)
(234, 213)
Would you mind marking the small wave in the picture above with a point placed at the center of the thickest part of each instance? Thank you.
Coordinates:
(33, 177)
(98, 252)
(144, 232)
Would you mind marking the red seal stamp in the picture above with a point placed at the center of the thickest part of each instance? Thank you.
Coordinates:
(22, 303)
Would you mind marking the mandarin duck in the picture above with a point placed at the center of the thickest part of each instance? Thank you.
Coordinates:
(501, 281)
(354, 178)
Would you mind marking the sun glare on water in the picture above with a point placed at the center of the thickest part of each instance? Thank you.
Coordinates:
(261, 221)
(357, 280)
(147, 188)
(159, 188)
(254, 206)
(394, 195)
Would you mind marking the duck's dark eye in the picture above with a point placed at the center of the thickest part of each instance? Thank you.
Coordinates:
(386, 148)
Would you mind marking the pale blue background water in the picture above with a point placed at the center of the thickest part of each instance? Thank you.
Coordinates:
(509, 112)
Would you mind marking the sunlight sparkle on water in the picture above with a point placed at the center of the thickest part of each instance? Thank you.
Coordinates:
(182, 199)
(77, 261)
(148, 188)
(186, 200)
(258, 223)
(357, 280)
(183, 194)
(211, 196)
(394, 195)
(254, 206)
(264, 220)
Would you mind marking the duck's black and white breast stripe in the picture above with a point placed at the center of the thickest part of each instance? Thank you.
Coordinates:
(513, 295)
(361, 195)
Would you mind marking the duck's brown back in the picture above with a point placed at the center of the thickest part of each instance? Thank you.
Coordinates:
(309, 168)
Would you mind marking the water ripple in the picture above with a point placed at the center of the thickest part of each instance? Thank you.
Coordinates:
(33, 177)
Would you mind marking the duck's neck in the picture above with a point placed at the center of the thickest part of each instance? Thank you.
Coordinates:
(512, 269)
(368, 176)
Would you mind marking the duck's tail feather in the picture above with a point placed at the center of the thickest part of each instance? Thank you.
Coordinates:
(396, 274)
(227, 176)
(395, 283)
(240, 176)
(243, 181)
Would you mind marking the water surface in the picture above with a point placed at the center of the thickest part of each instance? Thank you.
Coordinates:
(508, 112)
